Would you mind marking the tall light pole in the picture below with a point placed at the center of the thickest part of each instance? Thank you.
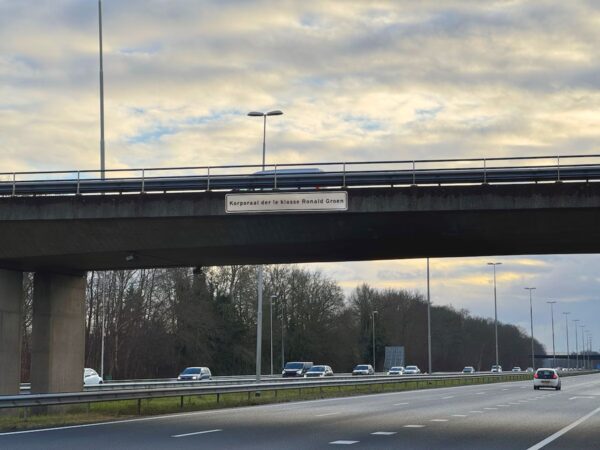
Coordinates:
(259, 275)
(282, 348)
(551, 303)
(273, 297)
(373, 316)
(582, 347)
(494, 264)
(531, 320)
(576, 345)
(567, 328)
(428, 320)
(103, 336)
(102, 165)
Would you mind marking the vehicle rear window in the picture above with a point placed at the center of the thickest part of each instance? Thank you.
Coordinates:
(545, 374)
(361, 367)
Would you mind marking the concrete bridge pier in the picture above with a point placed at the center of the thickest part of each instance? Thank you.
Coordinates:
(11, 311)
(58, 340)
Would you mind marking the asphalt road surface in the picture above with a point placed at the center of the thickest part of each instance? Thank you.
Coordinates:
(495, 416)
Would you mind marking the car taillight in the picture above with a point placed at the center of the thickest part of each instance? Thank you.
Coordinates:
(535, 375)
(554, 376)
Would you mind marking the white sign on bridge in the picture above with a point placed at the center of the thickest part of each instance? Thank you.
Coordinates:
(286, 202)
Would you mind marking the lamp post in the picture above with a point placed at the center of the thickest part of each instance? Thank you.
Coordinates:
(567, 328)
(102, 165)
(282, 348)
(582, 347)
(273, 297)
(551, 303)
(428, 320)
(373, 316)
(576, 345)
(259, 274)
(494, 264)
(531, 320)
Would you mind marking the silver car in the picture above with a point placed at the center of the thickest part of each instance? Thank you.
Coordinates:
(319, 371)
(195, 374)
(363, 369)
(396, 370)
(412, 370)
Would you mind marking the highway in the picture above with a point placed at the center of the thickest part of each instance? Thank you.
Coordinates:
(495, 416)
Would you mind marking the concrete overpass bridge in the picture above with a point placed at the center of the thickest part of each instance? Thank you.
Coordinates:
(62, 226)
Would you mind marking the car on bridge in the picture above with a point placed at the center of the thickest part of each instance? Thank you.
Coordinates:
(412, 370)
(545, 377)
(396, 370)
(496, 369)
(319, 371)
(363, 369)
(195, 374)
(468, 369)
(517, 369)
(91, 377)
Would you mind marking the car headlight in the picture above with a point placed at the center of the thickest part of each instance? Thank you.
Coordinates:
(194, 377)
(283, 372)
(179, 378)
(299, 372)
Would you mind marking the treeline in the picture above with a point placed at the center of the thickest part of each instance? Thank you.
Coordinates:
(161, 320)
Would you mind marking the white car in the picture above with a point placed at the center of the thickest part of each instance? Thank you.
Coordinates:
(412, 370)
(496, 369)
(91, 377)
(468, 369)
(319, 371)
(516, 369)
(363, 369)
(544, 377)
(396, 370)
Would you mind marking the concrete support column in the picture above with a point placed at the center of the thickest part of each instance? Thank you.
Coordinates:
(58, 340)
(11, 312)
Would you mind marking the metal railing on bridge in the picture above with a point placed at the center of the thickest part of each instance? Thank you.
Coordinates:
(327, 175)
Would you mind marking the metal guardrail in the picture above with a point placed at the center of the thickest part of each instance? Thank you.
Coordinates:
(531, 169)
(20, 401)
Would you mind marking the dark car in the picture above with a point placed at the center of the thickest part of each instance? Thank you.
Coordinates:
(296, 369)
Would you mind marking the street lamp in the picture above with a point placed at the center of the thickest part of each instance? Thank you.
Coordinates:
(494, 264)
(373, 316)
(531, 319)
(259, 275)
(273, 297)
(102, 164)
(576, 345)
(428, 320)
(551, 303)
(282, 347)
(567, 328)
(582, 347)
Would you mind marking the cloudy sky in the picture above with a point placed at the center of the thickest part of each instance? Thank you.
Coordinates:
(357, 80)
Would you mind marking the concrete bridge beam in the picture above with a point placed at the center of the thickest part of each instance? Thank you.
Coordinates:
(11, 314)
(58, 341)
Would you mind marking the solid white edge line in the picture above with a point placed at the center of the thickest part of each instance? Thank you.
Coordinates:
(327, 414)
(196, 433)
(564, 430)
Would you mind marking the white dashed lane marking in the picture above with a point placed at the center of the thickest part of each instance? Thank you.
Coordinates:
(491, 409)
(460, 415)
(343, 442)
(400, 404)
(384, 433)
(439, 420)
(476, 412)
(194, 434)
(449, 396)
(326, 414)
(414, 426)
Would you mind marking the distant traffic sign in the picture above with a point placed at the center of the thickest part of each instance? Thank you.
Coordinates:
(286, 202)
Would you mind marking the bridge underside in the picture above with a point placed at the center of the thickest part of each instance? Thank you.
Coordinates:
(75, 234)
